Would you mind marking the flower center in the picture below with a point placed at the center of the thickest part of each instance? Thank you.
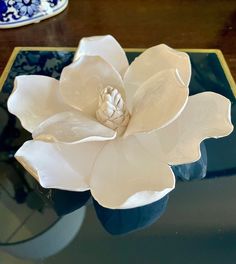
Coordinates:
(112, 111)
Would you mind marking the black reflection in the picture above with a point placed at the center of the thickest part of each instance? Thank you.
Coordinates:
(195, 170)
(123, 221)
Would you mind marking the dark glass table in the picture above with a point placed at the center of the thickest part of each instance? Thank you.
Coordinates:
(198, 226)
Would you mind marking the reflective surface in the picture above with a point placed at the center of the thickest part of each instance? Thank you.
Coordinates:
(200, 219)
(198, 227)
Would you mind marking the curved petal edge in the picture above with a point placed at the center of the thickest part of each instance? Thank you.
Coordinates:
(106, 47)
(158, 102)
(206, 115)
(126, 176)
(72, 128)
(34, 99)
(82, 82)
(151, 62)
(56, 165)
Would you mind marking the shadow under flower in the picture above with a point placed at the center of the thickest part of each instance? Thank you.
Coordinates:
(123, 221)
(192, 171)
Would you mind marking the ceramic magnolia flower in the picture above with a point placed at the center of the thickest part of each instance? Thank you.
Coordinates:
(113, 128)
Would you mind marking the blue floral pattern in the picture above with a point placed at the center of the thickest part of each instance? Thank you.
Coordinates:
(3, 9)
(48, 63)
(27, 7)
(53, 2)
(12, 11)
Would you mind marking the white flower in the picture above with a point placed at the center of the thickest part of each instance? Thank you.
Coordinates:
(147, 122)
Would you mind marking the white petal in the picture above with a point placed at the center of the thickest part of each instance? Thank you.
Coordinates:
(72, 127)
(82, 81)
(60, 166)
(34, 99)
(106, 47)
(126, 176)
(157, 102)
(206, 115)
(152, 61)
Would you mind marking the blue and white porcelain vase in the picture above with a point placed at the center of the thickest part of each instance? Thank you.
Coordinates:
(16, 13)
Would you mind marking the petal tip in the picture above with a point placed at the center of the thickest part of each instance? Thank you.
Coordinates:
(138, 198)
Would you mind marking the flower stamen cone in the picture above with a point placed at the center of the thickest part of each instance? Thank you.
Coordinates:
(112, 111)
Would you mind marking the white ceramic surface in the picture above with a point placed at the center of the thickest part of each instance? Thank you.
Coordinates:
(17, 13)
